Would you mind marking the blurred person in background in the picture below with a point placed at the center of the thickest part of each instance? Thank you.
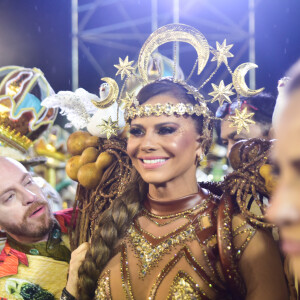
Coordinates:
(285, 204)
(262, 105)
(37, 247)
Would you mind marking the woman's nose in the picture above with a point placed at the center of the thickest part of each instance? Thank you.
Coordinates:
(149, 142)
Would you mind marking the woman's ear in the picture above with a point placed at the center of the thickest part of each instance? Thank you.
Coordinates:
(199, 139)
(199, 147)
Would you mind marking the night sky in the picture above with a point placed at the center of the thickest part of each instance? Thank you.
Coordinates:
(36, 33)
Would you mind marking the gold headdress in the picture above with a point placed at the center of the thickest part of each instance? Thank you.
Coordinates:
(220, 92)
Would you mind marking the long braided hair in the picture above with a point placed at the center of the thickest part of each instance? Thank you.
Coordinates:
(115, 221)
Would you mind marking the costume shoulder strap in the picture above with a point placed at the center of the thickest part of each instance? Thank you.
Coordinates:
(227, 251)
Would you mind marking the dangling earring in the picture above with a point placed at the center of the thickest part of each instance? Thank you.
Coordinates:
(199, 158)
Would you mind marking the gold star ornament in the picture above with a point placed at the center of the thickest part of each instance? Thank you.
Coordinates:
(124, 67)
(221, 93)
(222, 53)
(128, 100)
(241, 120)
(109, 127)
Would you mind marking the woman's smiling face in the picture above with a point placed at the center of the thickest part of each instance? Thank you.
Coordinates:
(164, 148)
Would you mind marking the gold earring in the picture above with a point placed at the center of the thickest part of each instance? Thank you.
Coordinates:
(199, 158)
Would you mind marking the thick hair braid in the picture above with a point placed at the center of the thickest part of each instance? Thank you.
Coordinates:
(112, 227)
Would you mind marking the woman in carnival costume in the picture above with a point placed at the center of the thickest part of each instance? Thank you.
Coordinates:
(167, 236)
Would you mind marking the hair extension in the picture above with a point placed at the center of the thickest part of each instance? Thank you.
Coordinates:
(91, 203)
(112, 227)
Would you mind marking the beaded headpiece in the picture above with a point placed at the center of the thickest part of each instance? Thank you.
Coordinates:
(220, 92)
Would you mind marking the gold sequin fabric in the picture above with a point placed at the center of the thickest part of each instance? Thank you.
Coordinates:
(184, 288)
(171, 257)
(103, 290)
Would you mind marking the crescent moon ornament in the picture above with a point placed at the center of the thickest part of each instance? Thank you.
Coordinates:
(238, 80)
(112, 94)
(173, 33)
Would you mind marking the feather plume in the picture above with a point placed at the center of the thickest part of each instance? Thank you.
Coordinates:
(76, 106)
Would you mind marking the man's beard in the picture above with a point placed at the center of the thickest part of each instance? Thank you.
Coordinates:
(26, 229)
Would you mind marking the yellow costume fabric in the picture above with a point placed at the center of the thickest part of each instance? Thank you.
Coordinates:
(48, 273)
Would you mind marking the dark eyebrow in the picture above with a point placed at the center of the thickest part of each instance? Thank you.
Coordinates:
(136, 125)
(232, 135)
(10, 188)
(296, 164)
(24, 176)
(165, 123)
(156, 125)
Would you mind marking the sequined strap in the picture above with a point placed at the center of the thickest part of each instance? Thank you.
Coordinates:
(205, 222)
(125, 274)
(103, 287)
(227, 252)
(205, 225)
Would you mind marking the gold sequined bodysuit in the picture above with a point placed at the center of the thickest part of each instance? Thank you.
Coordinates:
(171, 252)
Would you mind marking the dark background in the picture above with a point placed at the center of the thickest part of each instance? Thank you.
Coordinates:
(37, 33)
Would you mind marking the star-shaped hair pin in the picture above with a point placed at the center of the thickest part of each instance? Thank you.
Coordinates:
(128, 100)
(221, 93)
(109, 127)
(241, 120)
(124, 67)
(193, 91)
(222, 53)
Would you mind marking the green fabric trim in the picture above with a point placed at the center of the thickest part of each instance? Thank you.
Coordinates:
(54, 247)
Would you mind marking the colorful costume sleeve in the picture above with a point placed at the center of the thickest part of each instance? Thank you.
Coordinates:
(27, 277)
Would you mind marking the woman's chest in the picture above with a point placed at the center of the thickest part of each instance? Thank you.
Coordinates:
(173, 258)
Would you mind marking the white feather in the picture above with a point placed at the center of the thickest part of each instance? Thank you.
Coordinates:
(86, 98)
(70, 106)
(76, 106)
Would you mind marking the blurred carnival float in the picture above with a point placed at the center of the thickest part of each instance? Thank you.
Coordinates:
(26, 132)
